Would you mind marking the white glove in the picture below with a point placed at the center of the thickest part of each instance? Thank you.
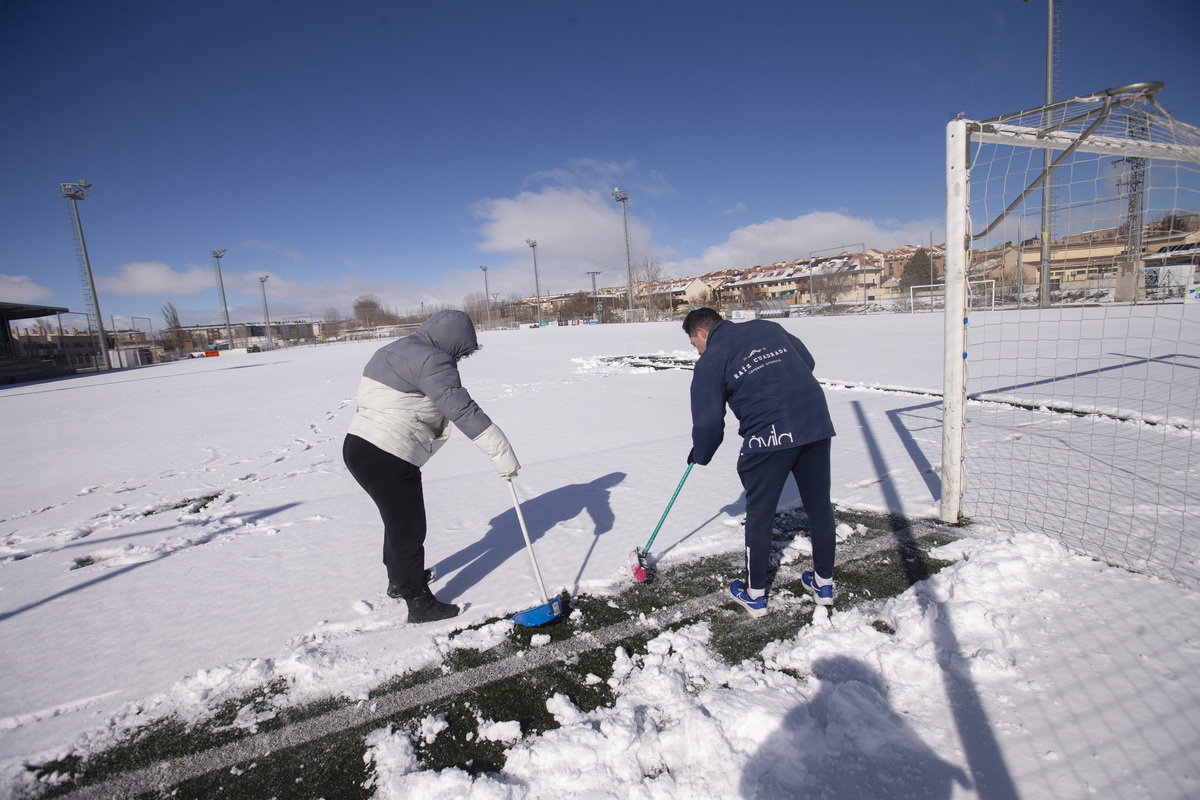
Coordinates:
(495, 446)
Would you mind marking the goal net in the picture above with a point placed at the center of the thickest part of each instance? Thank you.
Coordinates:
(1071, 407)
(932, 296)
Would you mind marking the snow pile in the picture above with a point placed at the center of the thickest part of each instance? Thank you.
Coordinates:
(984, 679)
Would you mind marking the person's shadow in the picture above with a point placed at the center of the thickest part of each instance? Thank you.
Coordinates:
(541, 514)
(849, 743)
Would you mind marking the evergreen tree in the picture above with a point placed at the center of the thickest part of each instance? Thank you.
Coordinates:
(918, 271)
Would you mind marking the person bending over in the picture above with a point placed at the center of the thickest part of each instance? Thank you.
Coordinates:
(765, 374)
(409, 395)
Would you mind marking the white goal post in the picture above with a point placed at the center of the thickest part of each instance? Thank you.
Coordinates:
(1072, 403)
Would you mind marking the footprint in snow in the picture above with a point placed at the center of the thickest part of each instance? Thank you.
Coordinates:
(363, 607)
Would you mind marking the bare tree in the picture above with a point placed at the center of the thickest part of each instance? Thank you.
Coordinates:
(652, 273)
(476, 306)
(333, 322)
(829, 286)
(1175, 223)
(578, 306)
(174, 333)
(520, 312)
(368, 310)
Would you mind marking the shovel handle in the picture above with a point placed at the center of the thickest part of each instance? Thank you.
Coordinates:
(528, 544)
(667, 510)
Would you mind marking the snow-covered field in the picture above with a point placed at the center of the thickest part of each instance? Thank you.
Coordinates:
(174, 535)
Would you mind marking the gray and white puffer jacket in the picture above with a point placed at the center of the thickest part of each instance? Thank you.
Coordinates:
(411, 393)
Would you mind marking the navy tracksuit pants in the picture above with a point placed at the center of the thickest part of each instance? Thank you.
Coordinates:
(763, 476)
(395, 486)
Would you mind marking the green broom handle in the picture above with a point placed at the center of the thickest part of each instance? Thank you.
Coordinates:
(667, 510)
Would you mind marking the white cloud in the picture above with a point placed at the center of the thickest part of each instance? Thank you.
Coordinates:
(594, 173)
(22, 289)
(818, 233)
(151, 278)
(298, 300)
(577, 231)
(271, 247)
(579, 228)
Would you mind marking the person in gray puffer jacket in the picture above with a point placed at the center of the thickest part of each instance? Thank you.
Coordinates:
(409, 396)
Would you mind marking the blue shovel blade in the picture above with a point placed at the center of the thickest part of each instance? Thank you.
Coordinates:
(539, 615)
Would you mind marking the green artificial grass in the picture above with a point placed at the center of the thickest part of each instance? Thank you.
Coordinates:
(886, 555)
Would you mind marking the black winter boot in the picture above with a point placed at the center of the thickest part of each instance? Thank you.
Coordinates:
(393, 591)
(424, 607)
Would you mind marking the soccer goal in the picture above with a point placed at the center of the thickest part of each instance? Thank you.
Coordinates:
(1071, 408)
(932, 296)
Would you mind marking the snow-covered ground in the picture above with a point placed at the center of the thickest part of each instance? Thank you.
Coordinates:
(175, 535)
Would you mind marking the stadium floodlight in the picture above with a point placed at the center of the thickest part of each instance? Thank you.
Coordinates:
(216, 254)
(266, 315)
(595, 296)
(75, 192)
(537, 285)
(623, 198)
(486, 295)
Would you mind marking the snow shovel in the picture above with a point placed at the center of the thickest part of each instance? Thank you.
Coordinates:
(637, 558)
(550, 610)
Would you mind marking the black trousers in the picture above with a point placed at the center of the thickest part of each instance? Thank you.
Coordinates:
(763, 476)
(395, 486)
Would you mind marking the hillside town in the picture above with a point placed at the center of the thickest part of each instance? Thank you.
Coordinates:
(1087, 267)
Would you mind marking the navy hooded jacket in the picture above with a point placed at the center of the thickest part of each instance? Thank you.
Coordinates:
(766, 376)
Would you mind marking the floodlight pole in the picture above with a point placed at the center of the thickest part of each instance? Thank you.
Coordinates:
(623, 198)
(1047, 162)
(75, 192)
(595, 295)
(266, 315)
(537, 285)
(486, 295)
(216, 254)
(1047, 158)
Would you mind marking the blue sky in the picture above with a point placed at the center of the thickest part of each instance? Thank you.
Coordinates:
(390, 148)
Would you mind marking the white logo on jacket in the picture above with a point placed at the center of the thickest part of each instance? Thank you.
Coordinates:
(774, 440)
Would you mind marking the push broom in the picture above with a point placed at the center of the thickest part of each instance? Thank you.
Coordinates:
(550, 610)
(638, 559)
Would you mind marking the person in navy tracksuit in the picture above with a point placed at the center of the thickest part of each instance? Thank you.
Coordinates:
(766, 376)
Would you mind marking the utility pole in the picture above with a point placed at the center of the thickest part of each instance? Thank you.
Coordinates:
(537, 285)
(623, 198)
(216, 254)
(595, 294)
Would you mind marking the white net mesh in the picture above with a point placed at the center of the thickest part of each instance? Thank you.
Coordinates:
(1084, 382)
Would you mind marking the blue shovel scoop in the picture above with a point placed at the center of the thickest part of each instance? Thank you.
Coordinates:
(550, 610)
